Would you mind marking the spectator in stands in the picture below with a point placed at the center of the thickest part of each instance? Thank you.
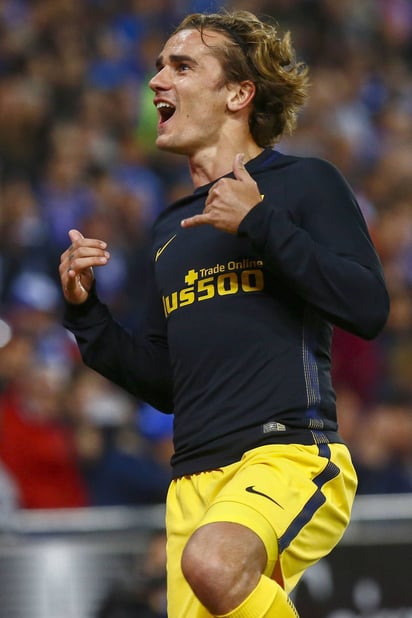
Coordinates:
(381, 446)
(144, 594)
(121, 466)
(37, 445)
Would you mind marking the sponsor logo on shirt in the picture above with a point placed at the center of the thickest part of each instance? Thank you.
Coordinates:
(235, 277)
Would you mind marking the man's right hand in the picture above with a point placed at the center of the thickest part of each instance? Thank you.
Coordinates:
(76, 266)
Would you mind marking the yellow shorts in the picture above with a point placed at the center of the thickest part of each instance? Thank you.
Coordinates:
(296, 498)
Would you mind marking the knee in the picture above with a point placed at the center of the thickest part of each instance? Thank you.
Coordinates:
(219, 575)
(205, 570)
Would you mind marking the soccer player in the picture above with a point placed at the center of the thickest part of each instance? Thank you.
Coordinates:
(249, 274)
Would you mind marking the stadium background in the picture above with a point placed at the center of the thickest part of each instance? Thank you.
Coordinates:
(80, 461)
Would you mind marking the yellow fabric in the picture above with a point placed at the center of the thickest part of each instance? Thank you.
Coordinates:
(267, 600)
(296, 478)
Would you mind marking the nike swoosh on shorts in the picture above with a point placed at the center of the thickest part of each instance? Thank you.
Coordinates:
(251, 489)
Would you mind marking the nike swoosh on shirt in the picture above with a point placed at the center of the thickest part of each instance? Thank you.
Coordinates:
(251, 489)
(160, 251)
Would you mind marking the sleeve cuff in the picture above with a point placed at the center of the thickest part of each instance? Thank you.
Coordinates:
(255, 224)
(88, 311)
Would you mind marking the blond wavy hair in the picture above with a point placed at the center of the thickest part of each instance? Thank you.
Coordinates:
(257, 52)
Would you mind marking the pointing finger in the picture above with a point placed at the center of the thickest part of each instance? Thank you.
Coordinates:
(195, 221)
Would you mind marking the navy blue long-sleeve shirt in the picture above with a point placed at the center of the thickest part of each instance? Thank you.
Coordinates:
(239, 328)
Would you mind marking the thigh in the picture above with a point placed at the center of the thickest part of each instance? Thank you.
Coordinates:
(296, 498)
(324, 517)
(187, 501)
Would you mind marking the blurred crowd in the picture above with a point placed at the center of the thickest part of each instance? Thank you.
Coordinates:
(77, 131)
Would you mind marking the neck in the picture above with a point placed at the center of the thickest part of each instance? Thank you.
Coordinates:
(212, 163)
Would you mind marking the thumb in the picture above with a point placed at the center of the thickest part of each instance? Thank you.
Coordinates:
(75, 235)
(239, 169)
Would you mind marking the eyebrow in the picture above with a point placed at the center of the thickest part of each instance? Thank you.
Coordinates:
(175, 59)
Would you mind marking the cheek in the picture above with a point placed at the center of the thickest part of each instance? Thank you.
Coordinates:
(208, 114)
(202, 115)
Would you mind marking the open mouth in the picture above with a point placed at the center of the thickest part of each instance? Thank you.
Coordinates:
(166, 111)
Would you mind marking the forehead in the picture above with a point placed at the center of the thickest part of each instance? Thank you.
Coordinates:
(192, 43)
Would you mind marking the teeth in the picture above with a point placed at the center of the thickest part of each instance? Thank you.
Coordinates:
(163, 104)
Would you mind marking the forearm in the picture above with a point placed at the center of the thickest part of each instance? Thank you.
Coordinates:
(350, 294)
(139, 365)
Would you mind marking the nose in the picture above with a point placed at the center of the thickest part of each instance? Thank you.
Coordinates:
(159, 80)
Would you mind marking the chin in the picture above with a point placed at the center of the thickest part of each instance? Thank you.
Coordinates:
(163, 143)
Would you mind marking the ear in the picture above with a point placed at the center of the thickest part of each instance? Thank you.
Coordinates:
(240, 95)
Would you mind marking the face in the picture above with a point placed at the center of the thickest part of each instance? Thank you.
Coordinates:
(189, 95)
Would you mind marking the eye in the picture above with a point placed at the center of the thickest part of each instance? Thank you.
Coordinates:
(182, 67)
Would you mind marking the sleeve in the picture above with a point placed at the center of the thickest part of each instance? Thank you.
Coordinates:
(320, 245)
(139, 363)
